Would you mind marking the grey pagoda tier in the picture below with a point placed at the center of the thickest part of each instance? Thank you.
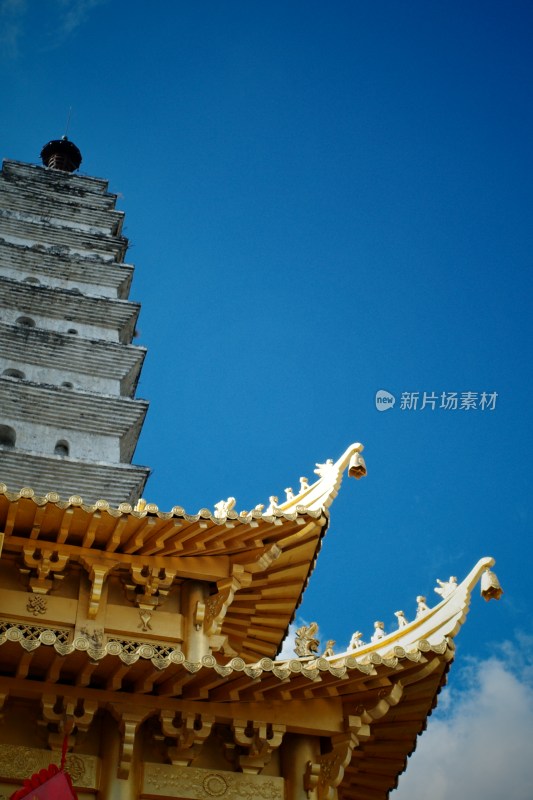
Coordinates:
(69, 422)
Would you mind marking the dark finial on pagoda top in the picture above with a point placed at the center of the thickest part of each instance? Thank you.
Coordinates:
(61, 154)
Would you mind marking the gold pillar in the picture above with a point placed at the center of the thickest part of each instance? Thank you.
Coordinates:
(296, 752)
(111, 786)
(196, 642)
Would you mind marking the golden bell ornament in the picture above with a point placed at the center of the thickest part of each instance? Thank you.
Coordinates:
(490, 586)
(357, 466)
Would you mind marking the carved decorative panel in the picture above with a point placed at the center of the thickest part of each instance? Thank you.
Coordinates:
(19, 762)
(165, 780)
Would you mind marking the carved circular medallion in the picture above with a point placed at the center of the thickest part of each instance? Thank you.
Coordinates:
(27, 492)
(177, 657)
(53, 497)
(47, 637)
(146, 651)
(215, 785)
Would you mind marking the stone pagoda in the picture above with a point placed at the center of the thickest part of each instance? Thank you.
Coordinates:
(139, 648)
(68, 371)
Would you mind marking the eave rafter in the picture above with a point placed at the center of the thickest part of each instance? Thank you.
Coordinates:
(213, 612)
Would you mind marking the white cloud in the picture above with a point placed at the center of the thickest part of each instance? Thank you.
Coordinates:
(287, 648)
(73, 14)
(481, 748)
(11, 18)
(63, 18)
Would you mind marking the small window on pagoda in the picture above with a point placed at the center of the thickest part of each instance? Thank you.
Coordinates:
(31, 279)
(14, 373)
(26, 322)
(72, 330)
(8, 436)
(62, 448)
(67, 385)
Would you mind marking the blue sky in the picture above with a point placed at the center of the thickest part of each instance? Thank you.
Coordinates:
(323, 200)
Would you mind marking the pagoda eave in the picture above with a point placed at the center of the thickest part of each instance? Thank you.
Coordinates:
(104, 276)
(66, 353)
(100, 312)
(33, 205)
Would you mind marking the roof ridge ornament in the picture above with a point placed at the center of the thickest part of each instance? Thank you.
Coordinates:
(321, 494)
(432, 624)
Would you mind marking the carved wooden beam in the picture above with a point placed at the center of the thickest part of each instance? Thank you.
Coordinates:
(213, 611)
(215, 607)
(325, 774)
(387, 698)
(261, 561)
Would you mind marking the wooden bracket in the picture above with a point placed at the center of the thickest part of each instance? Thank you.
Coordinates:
(189, 735)
(259, 739)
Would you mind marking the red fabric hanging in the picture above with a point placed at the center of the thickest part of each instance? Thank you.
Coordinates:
(48, 784)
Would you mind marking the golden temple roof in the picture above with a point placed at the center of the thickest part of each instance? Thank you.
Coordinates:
(260, 562)
(372, 701)
(377, 697)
